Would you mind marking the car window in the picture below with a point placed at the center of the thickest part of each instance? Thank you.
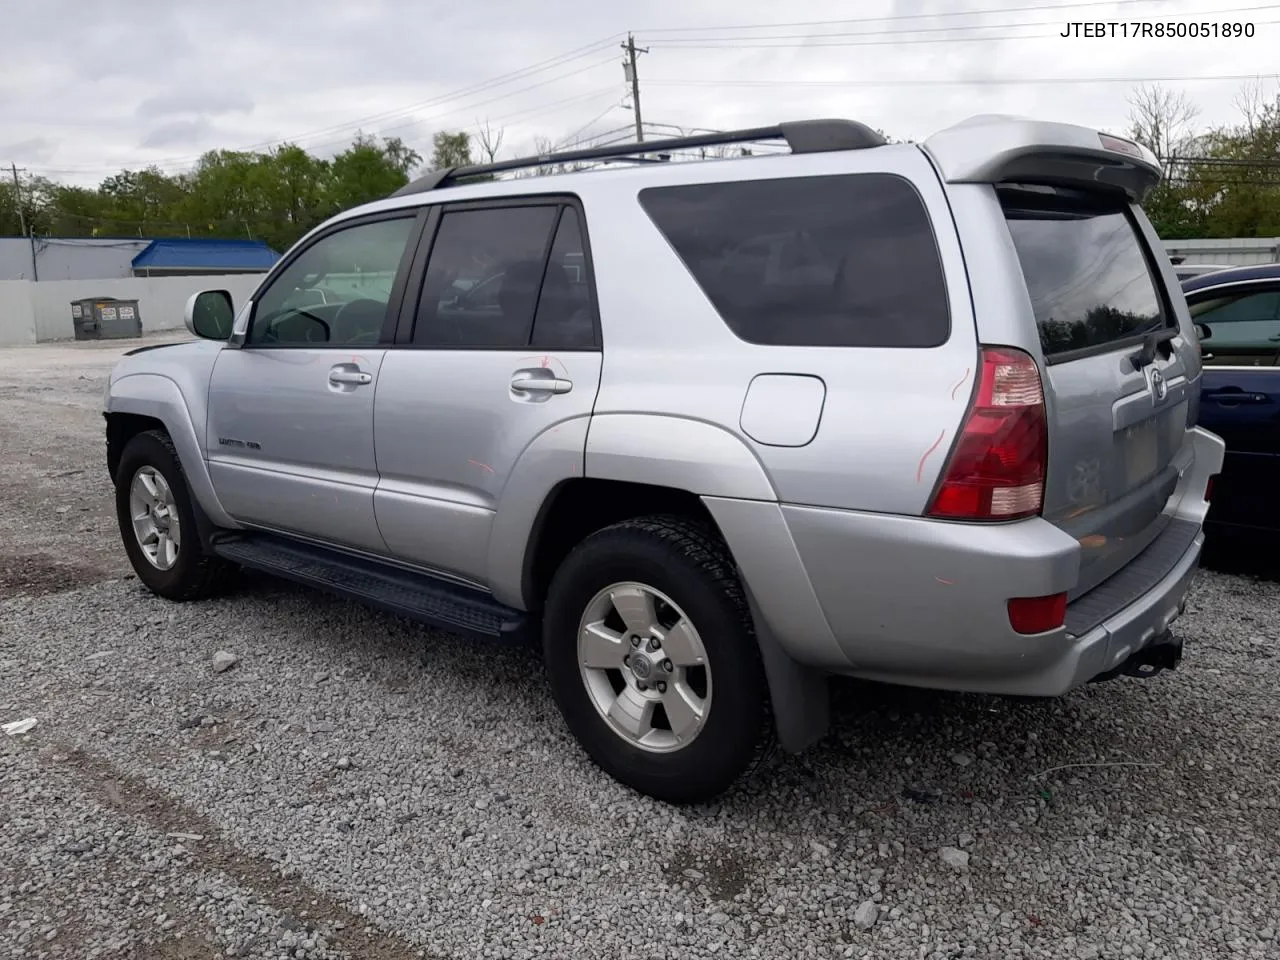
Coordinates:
(566, 313)
(1085, 268)
(483, 277)
(336, 291)
(835, 261)
(1244, 328)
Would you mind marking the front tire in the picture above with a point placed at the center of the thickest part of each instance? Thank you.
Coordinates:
(158, 523)
(653, 661)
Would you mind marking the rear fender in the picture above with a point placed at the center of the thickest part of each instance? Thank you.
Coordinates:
(679, 452)
(156, 396)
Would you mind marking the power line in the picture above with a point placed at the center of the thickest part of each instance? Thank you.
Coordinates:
(469, 107)
(1038, 8)
(737, 42)
(386, 130)
(931, 82)
(586, 126)
(549, 64)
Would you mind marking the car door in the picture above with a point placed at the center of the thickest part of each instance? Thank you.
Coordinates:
(1240, 397)
(290, 426)
(483, 402)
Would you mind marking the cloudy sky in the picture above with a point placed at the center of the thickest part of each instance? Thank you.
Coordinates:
(90, 86)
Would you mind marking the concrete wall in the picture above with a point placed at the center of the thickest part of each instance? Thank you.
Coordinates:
(69, 258)
(1229, 252)
(36, 312)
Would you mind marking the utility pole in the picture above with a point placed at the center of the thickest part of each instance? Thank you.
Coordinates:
(22, 219)
(629, 71)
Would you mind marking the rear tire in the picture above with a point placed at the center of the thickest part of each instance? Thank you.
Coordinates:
(158, 522)
(687, 713)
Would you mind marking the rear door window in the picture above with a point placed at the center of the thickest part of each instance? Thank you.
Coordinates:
(1086, 269)
(483, 277)
(834, 261)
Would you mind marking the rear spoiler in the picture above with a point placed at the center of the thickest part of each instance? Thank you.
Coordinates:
(1006, 149)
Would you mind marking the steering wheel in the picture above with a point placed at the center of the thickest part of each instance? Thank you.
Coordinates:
(367, 307)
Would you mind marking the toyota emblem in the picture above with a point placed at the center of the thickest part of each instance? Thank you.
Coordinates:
(1159, 389)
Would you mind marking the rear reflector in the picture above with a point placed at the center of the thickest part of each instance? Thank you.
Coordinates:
(1037, 614)
(1208, 488)
(996, 470)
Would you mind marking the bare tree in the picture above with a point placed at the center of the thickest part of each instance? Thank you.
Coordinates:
(490, 140)
(544, 146)
(1162, 121)
(1251, 101)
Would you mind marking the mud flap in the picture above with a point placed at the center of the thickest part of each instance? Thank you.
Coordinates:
(800, 695)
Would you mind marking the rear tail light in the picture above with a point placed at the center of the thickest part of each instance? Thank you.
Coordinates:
(996, 470)
(1208, 488)
(1037, 614)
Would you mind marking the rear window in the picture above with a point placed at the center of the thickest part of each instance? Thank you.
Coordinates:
(1086, 270)
(838, 261)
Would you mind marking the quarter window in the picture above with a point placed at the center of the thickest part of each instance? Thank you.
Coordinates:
(834, 261)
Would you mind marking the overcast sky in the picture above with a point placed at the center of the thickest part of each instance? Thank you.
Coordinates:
(90, 86)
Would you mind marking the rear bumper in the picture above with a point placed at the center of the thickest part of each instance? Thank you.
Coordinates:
(924, 603)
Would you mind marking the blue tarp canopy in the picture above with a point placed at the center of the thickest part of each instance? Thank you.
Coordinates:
(205, 254)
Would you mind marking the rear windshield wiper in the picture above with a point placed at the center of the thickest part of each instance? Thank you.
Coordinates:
(1153, 342)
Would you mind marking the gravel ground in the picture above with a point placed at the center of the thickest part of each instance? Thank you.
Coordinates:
(355, 786)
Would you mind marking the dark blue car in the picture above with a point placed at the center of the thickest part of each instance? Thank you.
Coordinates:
(1238, 313)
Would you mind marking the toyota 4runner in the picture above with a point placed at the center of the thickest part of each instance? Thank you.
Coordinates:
(713, 431)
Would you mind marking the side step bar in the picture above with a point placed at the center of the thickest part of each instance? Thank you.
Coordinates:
(419, 597)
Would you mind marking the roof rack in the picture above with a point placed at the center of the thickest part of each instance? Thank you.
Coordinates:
(802, 136)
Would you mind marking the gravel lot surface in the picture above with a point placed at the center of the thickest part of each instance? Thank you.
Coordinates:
(354, 786)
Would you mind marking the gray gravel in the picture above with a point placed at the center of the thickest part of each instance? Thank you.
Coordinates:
(358, 787)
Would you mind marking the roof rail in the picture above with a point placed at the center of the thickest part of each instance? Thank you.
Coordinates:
(802, 136)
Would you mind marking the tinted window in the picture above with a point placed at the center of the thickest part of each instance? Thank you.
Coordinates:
(842, 261)
(566, 317)
(336, 291)
(1244, 329)
(482, 280)
(1085, 269)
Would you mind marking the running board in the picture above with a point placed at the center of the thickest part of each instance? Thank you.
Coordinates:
(421, 597)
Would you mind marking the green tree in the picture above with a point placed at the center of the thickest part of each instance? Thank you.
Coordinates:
(451, 150)
(369, 170)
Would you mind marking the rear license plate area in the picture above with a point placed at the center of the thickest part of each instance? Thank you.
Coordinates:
(1141, 451)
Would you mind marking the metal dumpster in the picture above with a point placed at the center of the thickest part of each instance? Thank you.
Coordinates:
(105, 318)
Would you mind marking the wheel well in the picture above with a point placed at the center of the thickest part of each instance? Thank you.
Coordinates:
(121, 428)
(579, 507)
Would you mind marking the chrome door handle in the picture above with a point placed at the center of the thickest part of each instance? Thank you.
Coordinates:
(350, 376)
(522, 384)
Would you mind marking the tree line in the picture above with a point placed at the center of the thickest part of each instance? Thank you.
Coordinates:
(1219, 182)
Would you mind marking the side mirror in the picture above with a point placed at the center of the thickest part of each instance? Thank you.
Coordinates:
(1203, 331)
(210, 314)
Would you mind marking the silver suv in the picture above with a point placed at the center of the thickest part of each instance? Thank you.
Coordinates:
(712, 431)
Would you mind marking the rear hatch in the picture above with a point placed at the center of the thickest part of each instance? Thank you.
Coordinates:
(1115, 385)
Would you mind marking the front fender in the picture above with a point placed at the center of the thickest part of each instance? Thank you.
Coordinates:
(157, 396)
(668, 451)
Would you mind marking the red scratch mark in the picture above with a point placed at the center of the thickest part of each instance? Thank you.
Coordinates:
(960, 383)
(546, 362)
(945, 582)
(920, 468)
(482, 466)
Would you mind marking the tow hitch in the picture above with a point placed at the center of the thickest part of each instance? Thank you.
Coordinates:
(1164, 653)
